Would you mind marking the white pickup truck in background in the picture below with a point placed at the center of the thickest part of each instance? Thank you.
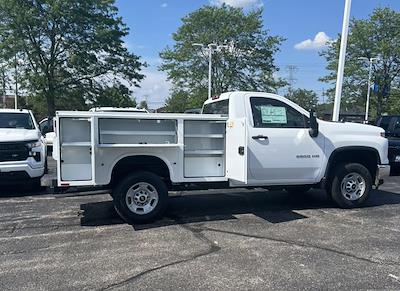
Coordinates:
(22, 147)
(242, 139)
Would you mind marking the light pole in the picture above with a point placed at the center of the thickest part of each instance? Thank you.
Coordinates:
(16, 82)
(342, 56)
(370, 62)
(211, 47)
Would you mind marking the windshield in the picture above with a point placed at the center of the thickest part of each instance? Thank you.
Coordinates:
(16, 120)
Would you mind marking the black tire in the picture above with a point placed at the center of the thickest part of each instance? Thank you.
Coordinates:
(121, 198)
(344, 198)
(299, 189)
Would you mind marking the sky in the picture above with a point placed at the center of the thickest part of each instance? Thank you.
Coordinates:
(307, 25)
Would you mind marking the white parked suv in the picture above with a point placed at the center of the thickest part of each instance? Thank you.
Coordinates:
(22, 147)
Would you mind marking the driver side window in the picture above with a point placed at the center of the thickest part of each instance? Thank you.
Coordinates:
(271, 113)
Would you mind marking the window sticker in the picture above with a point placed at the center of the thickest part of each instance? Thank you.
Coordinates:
(273, 114)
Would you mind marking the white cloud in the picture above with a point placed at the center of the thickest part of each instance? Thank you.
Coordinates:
(238, 3)
(131, 46)
(320, 40)
(154, 88)
(164, 5)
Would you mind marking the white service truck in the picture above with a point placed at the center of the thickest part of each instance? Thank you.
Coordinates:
(242, 139)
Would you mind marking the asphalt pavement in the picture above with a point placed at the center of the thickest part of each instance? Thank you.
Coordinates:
(221, 240)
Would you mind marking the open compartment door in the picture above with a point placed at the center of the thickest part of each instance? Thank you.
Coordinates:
(75, 151)
(236, 151)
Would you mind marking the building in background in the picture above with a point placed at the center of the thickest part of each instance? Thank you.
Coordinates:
(7, 101)
(353, 115)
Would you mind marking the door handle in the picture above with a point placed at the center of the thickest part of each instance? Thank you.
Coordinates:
(260, 136)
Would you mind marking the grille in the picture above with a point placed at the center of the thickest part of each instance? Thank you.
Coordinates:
(15, 151)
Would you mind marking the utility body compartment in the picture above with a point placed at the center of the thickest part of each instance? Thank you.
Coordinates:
(90, 144)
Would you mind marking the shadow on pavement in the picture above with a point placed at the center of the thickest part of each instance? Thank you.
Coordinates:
(395, 171)
(21, 189)
(273, 207)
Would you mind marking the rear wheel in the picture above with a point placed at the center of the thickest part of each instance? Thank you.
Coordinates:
(351, 185)
(141, 197)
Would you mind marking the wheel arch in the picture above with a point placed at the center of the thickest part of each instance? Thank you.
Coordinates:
(356, 154)
(141, 162)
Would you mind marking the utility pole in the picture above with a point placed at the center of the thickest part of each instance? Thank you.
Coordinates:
(4, 85)
(370, 62)
(342, 57)
(16, 82)
(291, 79)
(210, 49)
(210, 52)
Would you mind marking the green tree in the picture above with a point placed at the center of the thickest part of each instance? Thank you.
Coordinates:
(4, 81)
(377, 36)
(114, 97)
(305, 98)
(143, 104)
(250, 66)
(180, 100)
(71, 51)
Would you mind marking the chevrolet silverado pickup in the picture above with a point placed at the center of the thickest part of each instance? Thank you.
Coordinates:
(22, 147)
(241, 139)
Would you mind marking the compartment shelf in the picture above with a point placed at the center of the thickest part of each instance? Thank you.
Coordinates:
(119, 145)
(76, 144)
(135, 132)
(204, 152)
(204, 135)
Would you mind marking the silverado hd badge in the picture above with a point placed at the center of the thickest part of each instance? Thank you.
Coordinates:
(307, 156)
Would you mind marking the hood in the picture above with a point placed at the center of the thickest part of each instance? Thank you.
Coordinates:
(350, 128)
(18, 134)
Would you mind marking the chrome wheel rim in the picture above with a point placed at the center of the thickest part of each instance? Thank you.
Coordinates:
(142, 198)
(353, 186)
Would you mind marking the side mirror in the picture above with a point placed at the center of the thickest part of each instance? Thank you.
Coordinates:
(46, 127)
(313, 124)
(44, 130)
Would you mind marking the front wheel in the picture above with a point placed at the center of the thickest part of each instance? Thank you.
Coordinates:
(140, 198)
(351, 185)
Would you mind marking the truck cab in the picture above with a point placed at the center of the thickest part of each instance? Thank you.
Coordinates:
(277, 147)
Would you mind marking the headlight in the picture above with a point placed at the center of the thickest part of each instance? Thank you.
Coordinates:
(33, 149)
(34, 144)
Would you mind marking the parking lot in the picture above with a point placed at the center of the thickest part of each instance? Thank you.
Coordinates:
(237, 239)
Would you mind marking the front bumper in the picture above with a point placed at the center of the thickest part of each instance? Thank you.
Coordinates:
(382, 171)
(7, 170)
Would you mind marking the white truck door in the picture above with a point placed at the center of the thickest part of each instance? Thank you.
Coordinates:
(281, 151)
(236, 151)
